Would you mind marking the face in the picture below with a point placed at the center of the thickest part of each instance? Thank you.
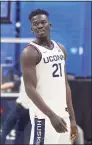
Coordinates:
(40, 26)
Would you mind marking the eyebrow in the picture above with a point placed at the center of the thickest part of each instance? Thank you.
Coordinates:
(35, 21)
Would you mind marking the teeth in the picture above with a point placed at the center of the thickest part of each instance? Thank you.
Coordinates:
(41, 31)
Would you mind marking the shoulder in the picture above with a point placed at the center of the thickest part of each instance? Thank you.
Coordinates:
(30, 54)
(63, 49)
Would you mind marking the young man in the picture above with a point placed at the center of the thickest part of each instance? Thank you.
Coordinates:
(43, 68)
(18, 115)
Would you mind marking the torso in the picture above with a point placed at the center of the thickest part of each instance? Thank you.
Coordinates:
(51, 78)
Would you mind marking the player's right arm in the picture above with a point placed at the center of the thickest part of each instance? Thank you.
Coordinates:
(29, 60)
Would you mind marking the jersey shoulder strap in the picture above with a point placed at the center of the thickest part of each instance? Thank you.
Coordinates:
(38, 47)
(56, 45)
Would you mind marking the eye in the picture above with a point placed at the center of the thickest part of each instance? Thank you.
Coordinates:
(35, 24)
(44, 22)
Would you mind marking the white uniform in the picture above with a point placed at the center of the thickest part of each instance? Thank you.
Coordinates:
(23, 99)
(51, 87)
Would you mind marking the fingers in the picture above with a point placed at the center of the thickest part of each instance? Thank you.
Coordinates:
(63, 121)
(61, 128)
(64, 128)
(74, 131)
(64, 124)
(73, 137)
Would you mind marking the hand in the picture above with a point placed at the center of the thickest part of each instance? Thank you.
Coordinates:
(58, 123)
(74, 130)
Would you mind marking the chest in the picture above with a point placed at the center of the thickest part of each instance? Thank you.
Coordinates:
(53, 56)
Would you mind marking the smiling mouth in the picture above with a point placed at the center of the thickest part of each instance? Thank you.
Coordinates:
(41, 32)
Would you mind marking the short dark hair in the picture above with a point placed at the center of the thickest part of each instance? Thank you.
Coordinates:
(38, 12)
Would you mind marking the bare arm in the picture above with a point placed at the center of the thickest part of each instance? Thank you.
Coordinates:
(69, 103)
(6, 86)
(68, 90)
(74, 130)
(69, 100)
(29, 59)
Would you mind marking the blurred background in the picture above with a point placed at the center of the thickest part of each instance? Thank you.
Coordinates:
(71, 26)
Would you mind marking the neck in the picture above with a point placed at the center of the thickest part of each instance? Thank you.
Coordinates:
(44, 41)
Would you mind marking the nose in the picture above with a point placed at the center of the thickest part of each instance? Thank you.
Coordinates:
(40, 26)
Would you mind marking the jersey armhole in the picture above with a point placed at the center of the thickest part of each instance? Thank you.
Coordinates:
(64, 52)
(39, 53)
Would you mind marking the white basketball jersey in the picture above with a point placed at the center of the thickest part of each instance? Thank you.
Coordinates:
(23, 99)
(51, 80)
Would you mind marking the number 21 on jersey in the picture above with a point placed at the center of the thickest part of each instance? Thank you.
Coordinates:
(57, 70)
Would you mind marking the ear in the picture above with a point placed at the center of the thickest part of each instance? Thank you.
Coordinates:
(50, 25)
(31, 29)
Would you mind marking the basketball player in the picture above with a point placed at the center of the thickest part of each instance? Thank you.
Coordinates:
(18, 115)
(43, 68)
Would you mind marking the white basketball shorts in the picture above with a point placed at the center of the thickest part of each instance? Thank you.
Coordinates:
(42, 132)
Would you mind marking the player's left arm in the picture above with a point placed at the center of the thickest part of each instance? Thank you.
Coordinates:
(70, 110)
(68, 90)
(69, 102)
